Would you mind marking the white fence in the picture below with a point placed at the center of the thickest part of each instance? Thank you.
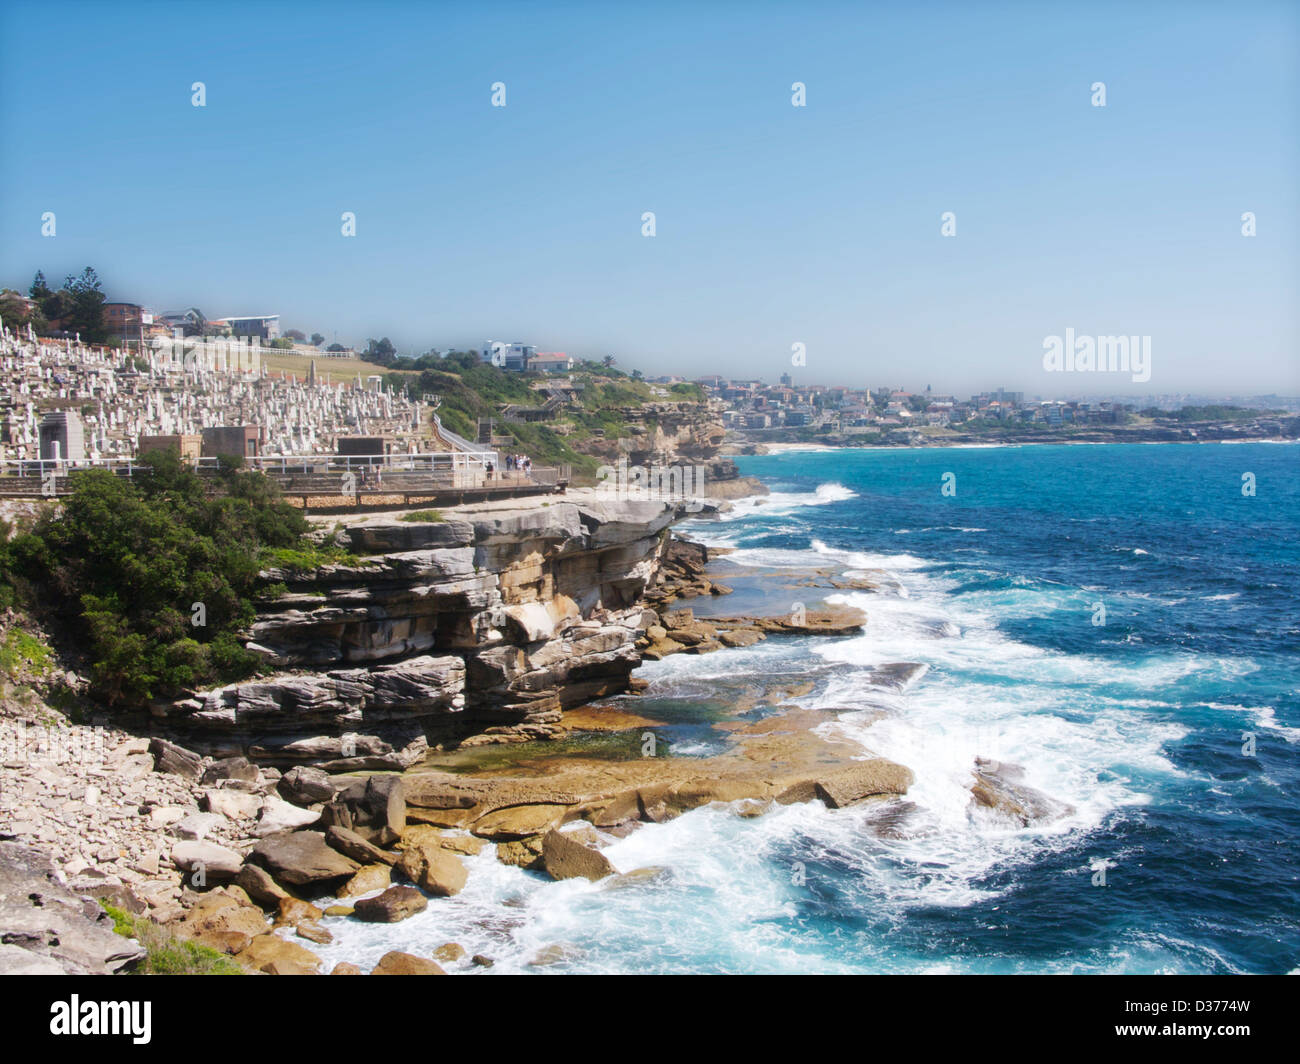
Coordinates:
(430, 462)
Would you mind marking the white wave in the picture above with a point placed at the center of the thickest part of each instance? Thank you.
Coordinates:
(783, 503)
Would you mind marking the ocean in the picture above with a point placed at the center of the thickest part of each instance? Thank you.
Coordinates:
(1119, 621)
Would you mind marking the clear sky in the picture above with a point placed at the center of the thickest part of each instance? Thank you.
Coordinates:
(775, 224)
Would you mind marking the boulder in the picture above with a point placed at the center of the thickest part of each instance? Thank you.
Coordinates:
(196, 825)
(168, 757)
(450, 952)
(277, 956)
(566, 858)
(998, 787)
(233, 805)
(222, 923)
(259, 886)
(278, 815)
(305, 786)
(353, 845)
(346, 968)
(48, 929)
(369, 879)
(231, 768)
(302, 858)
(523, 853)
(206, 858)
(396, 903)
(433, 868)
(396, 962)
(313, 932)
(292, 911)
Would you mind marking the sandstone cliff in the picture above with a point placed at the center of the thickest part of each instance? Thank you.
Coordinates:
(486, 625)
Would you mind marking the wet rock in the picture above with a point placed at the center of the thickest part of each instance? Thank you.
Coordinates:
(396, 962)
(313, 932)
(391, 905)
(370, 878)
(433, 868)
(346, 968)
(450, 952)
(522, 853)
(851, 783)
(998, 787)
(565, 858)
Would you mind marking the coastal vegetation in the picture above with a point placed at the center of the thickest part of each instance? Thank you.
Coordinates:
(165, 954)
(152, 577)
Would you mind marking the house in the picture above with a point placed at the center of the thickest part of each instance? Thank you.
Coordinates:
(552, 362)
(513, 356)
(266, 326)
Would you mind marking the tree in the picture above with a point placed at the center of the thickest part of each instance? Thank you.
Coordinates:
(86, 314)
(296, 334)
(336, 347)
(125, 562)
(637, 375)
(317, 339)
(381, 352)
(39, 291)
(17, 312)
(608, 361)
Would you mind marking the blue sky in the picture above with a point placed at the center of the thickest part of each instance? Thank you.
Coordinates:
(775, 224)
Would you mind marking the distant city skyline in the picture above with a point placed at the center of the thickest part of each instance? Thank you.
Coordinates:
(774, 225)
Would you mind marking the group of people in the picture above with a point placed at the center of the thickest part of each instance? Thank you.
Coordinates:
(519, 463)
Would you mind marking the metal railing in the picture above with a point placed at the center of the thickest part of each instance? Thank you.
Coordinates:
(428, 462)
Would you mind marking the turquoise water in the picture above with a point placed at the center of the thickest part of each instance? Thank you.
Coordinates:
(1171, 730)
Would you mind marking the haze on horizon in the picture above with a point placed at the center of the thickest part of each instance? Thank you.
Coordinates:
(775, 224)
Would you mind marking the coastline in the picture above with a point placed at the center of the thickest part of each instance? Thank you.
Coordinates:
(479, 857)
(747, 448)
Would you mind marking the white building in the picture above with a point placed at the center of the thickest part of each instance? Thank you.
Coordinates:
(515, 356)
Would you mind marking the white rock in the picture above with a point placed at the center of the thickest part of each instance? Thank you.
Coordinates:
(236, 805)
(279, 815)
(214, 860)
(163, 815)
(196, 825)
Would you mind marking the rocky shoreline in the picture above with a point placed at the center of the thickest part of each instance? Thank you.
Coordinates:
(260, 814)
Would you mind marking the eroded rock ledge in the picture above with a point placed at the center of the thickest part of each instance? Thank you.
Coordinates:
(487, 625)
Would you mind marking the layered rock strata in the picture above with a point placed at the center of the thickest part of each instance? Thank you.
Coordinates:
(486, 625)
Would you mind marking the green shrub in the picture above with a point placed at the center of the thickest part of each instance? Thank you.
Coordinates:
(165, 954)
(123, 565)
(426, 516)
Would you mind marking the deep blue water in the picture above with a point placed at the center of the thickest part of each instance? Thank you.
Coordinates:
(1199, 654)
(1170, 730)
